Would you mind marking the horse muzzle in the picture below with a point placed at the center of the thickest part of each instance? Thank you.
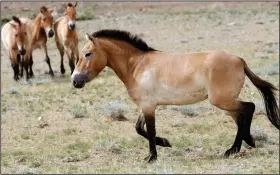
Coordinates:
(51, 33)
(22, 51)
(72, 26)
(79, 79)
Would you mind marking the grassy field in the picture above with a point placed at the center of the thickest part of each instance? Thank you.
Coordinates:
(48, 126)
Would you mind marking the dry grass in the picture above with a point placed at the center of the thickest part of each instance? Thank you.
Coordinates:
(48, 126)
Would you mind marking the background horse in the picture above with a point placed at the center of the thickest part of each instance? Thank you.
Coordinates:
(66, 37)
(14, 38)
(37, 30)
(157, 78)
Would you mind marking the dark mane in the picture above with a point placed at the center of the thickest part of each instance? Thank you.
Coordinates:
(43, 9)
(16, 19)
(126, 36)
(69, 5)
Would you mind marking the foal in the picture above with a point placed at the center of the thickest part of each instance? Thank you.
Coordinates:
(158, 78)
(37, 30)
(66, 37)
(14, 38)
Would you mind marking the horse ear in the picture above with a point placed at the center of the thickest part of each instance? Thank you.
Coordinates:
(90, 38)
(76, 3)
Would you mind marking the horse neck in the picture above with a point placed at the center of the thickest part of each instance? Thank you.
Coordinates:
(122, 59)
(36, 27)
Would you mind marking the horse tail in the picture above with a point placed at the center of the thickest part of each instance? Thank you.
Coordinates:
(267, 91)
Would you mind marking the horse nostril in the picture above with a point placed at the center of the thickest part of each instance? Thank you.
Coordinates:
(51, 33)
(74, 82)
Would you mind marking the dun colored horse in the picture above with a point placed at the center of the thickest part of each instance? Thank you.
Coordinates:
(66, 37)
(37, 30)
(158, 78)
(14, 38)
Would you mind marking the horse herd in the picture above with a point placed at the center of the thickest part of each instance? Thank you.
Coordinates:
(152, 77)
(21, 36)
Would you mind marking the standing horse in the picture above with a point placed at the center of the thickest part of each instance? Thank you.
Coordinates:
(37, 30)
(14, 38)
(66, 37)
(158, 78)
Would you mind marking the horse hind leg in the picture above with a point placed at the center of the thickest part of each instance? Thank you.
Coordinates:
(242, 113)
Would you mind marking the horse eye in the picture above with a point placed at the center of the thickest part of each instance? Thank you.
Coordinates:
(25, 33)
(44, 19)
(87, 54)
(16, 35)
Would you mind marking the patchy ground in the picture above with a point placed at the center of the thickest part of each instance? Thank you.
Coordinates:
(48, 126)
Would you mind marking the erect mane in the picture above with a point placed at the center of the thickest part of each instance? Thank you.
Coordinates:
(126, 36)
(16, 19)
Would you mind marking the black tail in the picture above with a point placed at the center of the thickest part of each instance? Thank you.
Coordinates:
(267, 91)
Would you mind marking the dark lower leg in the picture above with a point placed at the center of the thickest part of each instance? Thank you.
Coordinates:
(62, 70)
(49, 64)
(31, 74)
(15, 67)
(151, 133)
(250, 109)
(243, 120)
(140, 130)
(26, 64)
(72, 65)
(21, 64)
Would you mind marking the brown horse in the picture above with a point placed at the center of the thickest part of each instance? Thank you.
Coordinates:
(37, 30)
(66, 37)
(158, 78)
(15, 40)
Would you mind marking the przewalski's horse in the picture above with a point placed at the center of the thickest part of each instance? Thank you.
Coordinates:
(158, 78)
(38, 30)
(66, 37)
(15, 40)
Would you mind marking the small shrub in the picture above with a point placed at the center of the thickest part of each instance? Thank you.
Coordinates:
(108, 145)
(78, 111)
(13, 90)
(115, 109)
(84, 15)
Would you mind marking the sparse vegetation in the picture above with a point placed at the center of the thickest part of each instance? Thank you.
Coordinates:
(78, 110)
(49, 127)
(115, 110)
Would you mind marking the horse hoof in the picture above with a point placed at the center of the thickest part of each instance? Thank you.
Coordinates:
(151, 158)
(250, 141)
(163, 142)
(231, 151)
(62, 71)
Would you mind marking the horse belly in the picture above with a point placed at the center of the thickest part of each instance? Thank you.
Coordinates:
(166, 93)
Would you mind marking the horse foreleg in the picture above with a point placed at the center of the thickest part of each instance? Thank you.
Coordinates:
(61, 52)
(77, 54)
(20, 60)
(141, 131)
(25, 63)
(151, 134)
(71, 60)
(47, 59)
(15, 65)
(31, 74)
